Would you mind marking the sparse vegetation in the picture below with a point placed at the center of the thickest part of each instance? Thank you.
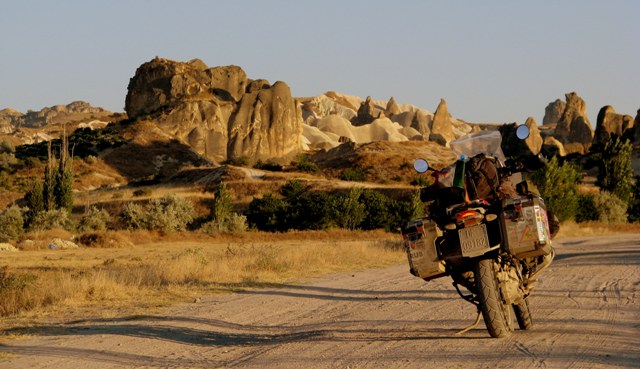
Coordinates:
(356, 174)
(304, 164)
(616, 172)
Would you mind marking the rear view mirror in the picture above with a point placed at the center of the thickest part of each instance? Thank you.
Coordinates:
(420, 165)
(522, 132)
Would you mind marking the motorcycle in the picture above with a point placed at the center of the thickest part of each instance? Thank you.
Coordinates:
(492, 242)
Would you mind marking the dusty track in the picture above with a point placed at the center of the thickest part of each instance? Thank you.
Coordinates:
(586, 313)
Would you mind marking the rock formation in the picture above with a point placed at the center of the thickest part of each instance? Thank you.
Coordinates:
(217, 111)
(392, 108)
(573, 126)
(367, 113)
(513, 146)
(553, 112)
(442, 125)
(10, 120)
(610, 124)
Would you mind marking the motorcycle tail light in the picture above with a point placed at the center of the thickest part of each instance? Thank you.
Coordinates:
(469, 218)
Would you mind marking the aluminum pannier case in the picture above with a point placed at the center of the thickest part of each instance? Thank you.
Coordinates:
(525, 227)
(420, 244)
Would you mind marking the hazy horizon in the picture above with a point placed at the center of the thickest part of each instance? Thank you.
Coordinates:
(497, 61)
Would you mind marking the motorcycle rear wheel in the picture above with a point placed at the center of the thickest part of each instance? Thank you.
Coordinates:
(496, 314)
(523, 315)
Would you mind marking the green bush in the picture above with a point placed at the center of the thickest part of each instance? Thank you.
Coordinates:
(266, 213)
(169, 214)
(94, 220)
(133, 216)
(52, 219)
(270, 166)
(349, 211)
(354, 174)
(558, 185)
(223, 218)
(311, 210)
(586, 210)
(611, 209)
(377, 208)
(142, 192)
(304, 164)
(11, 223)
(293, 188)
(616, 172)
(633, 211)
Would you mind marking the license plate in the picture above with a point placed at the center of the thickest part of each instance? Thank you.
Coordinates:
(474, 240)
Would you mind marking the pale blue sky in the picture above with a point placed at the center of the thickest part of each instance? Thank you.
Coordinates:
(493, 61)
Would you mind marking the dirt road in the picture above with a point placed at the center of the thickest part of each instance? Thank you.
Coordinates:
(586, 313)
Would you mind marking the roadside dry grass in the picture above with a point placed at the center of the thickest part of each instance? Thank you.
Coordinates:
(156, 270)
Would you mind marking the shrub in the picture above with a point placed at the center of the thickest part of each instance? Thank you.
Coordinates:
(304, 164)
(558, 185)
(266, 213)
(311, 210)
(633, 211)
(616, 172)
(142, 192)
(377, 210)
(51, 219)
(240, 161)
(169, 214)
(94, 220)
(611, 209)
(270, 166)
(293, 188)
(133, 216)
(354, 174)
(586, 210)
(349, 212)
(224, 219)
(11, 224)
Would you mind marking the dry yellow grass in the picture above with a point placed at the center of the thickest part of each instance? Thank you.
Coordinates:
(61, 284)
(573, 229)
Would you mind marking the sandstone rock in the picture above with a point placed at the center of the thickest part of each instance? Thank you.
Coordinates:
(610, 124)
(322, 106)
(417, 120)
(7, 247)
(336, 125)
(217, 111)
(367, 113)
(59, 243)
(392, 108)
(574, 126)
(553, 147)
(316, 139)
(512, 146)
(442, 127)
(267, 125)
(553, 112)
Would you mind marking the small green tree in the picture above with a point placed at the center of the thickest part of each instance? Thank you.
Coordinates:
(63, 184)
(558, 185)
(34, 200)
(616, 172)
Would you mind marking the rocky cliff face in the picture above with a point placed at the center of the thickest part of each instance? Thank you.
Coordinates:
(218, 111)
